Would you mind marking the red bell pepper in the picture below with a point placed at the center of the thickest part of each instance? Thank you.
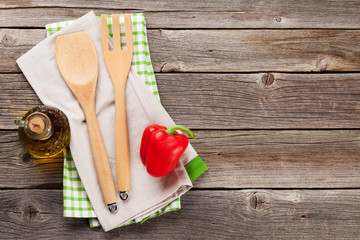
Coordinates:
(161, 148)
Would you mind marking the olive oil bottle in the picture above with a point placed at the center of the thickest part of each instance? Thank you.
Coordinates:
(44, 131)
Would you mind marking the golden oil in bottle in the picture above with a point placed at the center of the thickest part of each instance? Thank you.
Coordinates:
(44, 131)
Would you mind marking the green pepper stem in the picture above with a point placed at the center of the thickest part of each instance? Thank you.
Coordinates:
(171, 130)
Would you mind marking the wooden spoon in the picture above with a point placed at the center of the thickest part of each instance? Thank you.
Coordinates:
(78, 64)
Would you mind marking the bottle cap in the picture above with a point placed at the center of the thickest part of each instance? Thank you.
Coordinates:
(37, 125)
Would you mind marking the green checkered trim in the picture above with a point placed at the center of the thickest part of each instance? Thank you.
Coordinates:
(76, 201)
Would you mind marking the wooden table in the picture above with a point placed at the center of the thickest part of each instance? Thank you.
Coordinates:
(270, 88)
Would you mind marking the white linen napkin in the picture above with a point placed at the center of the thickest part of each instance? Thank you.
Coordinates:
(147, 194)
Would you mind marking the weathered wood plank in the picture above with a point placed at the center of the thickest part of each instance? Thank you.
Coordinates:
(19, 167)
(331, 12)
(225, 50)
(278, 14)
(262, 101)
(236, 159)
(251, 50)
(248, 214)
(232, 101)
(159, 5)
(14, 43)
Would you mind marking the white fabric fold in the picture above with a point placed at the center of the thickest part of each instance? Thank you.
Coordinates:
(147, 194)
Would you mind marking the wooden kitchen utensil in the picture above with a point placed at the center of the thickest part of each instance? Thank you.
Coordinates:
(118, 63)
(78, 64)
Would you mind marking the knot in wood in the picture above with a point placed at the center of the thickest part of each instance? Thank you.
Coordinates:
(267, 79)
(258, 201)
(278, 19)
(8, 40)
(322, 64)
(25, 158)
(30, 213)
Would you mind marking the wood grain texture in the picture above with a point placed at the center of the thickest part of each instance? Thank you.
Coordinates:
(329, 12)
(19, 167)
(163, 5)
(254, 50)
(232, 101)
(262, 101)
(236, 159)
(259, 14)
(239, 51)
(14, 43)
(245, 214)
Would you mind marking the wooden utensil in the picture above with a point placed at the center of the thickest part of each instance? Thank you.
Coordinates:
(78, 64)
(118, 63)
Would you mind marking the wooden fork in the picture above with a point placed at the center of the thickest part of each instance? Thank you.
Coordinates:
(118, 63)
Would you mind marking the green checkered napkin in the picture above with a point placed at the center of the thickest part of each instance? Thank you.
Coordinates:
(76, 201)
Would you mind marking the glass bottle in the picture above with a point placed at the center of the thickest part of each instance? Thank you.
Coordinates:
(44, 131)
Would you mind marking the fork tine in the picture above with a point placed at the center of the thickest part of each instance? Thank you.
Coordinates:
(128, 33)
(116, 32)
(104, 34)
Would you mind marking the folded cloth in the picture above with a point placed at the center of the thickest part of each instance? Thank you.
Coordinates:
(76, 202)
(147, 194)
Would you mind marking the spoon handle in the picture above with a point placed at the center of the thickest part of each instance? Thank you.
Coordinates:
(100, 157)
